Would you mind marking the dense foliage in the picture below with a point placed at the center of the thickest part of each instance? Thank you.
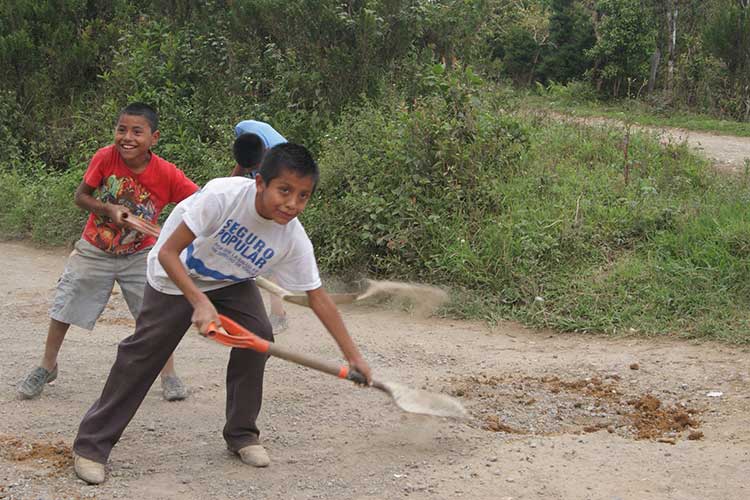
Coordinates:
(676, 54)
(69, 64)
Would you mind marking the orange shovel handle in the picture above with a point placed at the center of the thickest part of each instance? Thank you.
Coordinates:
(233, 334)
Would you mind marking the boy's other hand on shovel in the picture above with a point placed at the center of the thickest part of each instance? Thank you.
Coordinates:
(118, 213)
(360, 365)
(205, 315)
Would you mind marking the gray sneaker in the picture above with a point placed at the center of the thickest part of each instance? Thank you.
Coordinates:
(33, 385)
(173, 388)
(278, 323)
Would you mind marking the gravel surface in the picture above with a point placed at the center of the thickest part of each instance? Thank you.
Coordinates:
(552, 416)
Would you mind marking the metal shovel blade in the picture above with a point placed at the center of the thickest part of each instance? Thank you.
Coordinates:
(422, 402)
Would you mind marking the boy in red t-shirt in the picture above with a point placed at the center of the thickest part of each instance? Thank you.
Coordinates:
(123, 180)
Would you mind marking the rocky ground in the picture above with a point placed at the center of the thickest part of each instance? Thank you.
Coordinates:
(552, 416)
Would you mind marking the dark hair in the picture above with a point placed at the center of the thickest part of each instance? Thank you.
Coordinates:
(248, 150)
(288, 156)
(144, 110)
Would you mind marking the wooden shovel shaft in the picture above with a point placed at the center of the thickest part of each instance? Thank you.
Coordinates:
(301, 299)
(308, 361)
(271, 287)
(340, 371)
(154, 230)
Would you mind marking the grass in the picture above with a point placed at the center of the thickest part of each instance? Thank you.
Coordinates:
(666, 254)
(39, 206)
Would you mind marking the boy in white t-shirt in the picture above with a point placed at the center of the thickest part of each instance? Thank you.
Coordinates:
(211, 247)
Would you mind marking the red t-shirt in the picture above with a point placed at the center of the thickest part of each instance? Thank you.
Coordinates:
(144, 194)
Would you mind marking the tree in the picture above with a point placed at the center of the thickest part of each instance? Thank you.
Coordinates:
(727, 37)
(571, 36)
(520, 34)
(626, 39)
(673, 10)
(520, 54)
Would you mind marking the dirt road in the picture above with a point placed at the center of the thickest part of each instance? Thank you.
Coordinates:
(727, 152)
(553, 416)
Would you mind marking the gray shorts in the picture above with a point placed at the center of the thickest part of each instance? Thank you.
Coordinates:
(86, 284)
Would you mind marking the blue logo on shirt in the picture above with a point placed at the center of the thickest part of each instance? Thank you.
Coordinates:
(238, 246)
(193, 262)
(244, 242)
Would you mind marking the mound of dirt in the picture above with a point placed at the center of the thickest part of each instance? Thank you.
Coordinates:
(650, 420)
(58, 456)
(550, 405)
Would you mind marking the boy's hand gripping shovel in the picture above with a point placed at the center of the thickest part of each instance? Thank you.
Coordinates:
(411, 400)
(142, 225)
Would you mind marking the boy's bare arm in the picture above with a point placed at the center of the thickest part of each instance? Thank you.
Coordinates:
(325, 309)
(84, 198)
(204, 311)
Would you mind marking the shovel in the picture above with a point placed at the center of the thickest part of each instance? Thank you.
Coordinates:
(427, 293)
(429, 296)
(151, 229)
(299, 298)
(142, 225)
(409, 400)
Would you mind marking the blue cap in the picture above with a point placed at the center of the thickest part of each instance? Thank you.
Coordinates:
(267, 133)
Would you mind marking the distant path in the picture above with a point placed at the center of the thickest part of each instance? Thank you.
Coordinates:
(728, 152)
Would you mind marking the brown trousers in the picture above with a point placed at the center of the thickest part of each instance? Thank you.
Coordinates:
(162, 323)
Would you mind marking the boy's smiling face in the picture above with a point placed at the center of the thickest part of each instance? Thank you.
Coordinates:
(134, 139)
(285, 197)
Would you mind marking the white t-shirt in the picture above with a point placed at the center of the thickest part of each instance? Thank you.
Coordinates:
(234, 243)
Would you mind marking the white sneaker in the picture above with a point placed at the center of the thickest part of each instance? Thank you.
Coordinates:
(88, 470)
(254, 455)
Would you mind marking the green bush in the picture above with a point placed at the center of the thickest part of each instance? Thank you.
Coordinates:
(40, 206)
(574, 92)
(404, 176)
